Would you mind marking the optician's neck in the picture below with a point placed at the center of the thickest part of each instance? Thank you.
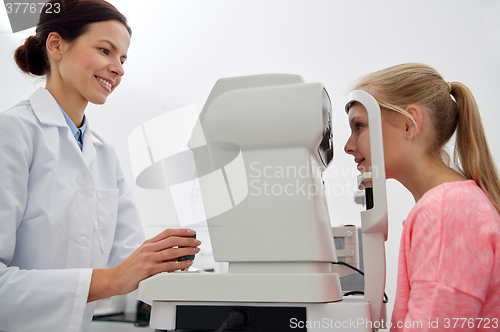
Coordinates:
(70, 101)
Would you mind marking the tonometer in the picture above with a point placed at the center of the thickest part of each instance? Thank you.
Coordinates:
(259, 147)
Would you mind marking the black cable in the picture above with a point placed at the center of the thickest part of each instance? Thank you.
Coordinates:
(236, 318)
(354, 292)
(351, 267)
(358, 292)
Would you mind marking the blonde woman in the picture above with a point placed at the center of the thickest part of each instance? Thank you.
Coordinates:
(449, 260)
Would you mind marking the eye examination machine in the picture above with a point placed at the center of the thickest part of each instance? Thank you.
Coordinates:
(259, 149)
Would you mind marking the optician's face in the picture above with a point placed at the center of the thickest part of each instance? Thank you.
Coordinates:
(92, 66)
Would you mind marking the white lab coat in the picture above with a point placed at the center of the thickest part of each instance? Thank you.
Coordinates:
(62, 212)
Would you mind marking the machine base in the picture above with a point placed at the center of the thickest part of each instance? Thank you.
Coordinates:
(351, 314)
(278, 302)
(241, 287)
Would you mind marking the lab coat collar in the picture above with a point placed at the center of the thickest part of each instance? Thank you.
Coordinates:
(48, 112)
(46, 108)
(90, 141)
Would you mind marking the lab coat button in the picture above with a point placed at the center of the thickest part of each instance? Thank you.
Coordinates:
(83, 191)
(82, 241)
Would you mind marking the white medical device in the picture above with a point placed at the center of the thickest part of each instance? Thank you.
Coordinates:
(260, 147)
(374, 222)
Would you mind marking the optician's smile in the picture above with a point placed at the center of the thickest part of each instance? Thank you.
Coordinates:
(106, 83)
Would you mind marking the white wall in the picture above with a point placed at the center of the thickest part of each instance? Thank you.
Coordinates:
(180, 48)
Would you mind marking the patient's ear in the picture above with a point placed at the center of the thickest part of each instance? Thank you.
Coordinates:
(413, 125)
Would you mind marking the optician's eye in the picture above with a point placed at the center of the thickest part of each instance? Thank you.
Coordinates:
(104, 50)
(359, 127)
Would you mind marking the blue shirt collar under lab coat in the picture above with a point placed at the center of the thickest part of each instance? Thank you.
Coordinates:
(78, 133)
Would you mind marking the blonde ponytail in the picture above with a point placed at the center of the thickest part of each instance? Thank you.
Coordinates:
(472, 155)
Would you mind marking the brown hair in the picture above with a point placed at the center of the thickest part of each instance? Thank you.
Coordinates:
(452, 108)
(71, 21)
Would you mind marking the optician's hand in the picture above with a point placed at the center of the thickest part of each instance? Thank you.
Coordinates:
(158, 254)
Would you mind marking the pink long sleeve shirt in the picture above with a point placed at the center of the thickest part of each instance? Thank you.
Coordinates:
(449, 262)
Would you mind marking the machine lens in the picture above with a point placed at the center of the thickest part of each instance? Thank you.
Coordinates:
(325, 148)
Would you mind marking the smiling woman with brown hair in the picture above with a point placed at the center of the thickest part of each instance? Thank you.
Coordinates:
(70, 232)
